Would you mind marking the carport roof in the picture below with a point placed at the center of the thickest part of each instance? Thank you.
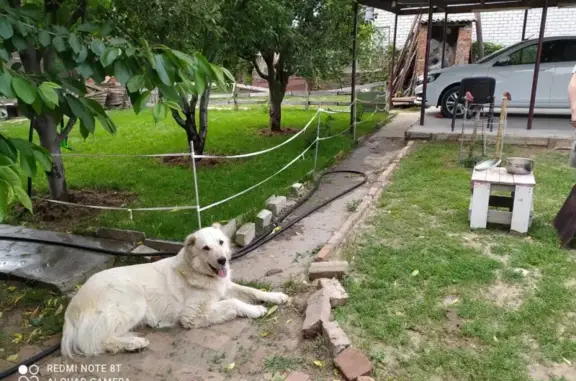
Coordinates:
(414, 7)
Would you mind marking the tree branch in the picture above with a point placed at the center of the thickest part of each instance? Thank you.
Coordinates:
(178, 118)
(79, 13)
(260, 73)
(66, 131)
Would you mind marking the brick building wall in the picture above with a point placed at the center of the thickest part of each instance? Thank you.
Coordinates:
(503, 27)
(463, 44)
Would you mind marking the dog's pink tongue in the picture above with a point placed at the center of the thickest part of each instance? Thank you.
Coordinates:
(222, 272)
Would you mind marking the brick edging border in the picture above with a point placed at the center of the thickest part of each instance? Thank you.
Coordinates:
(373, 194)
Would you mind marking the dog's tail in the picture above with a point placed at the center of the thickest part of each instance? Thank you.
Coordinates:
(84, 333)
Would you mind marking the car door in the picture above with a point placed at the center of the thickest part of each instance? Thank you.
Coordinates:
(514, 73)
(565, 62)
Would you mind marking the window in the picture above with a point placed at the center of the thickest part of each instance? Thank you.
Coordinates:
(525, 56)
(562, 51)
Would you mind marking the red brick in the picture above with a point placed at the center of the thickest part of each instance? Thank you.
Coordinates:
(337, 339)
(317, 312)
(297, 376)
(365, 378)
(333, 269)
(324, 253)
(352, 363)
(338, 296)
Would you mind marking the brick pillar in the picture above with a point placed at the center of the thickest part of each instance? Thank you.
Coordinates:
(463, 45)
(421, 49)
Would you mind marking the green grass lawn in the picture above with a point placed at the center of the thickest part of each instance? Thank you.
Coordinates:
(158, 184)
(432, 300)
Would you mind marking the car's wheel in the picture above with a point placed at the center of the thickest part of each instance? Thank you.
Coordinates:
(448, 103)
(3, 113)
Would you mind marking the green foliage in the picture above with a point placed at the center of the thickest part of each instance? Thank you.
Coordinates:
(71, 53)
(489, 48)
(18, 155)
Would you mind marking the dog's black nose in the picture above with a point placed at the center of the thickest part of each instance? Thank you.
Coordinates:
(222, 261)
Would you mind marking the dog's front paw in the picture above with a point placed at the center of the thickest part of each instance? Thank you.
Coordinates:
(255, 312)
(277, 297)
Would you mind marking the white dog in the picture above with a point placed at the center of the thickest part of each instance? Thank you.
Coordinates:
(193, 288)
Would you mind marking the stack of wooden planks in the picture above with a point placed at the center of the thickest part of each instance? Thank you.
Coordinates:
(404, 77)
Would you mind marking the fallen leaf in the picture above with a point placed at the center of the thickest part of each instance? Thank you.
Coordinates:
(318, 363)
(264, 334)
(17, 338)
(231, 366)
(12, 288)
(415, 272)
(12, 358)
(59, 310)
(567, 361)
(287, 321)
(495, 338)
(17, 299)
(272, 310)
(1, 314)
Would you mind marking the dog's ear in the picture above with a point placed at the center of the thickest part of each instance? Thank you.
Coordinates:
(216, 225)
(190, 240)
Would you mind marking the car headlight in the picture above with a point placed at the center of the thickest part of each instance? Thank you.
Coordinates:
(431, 78)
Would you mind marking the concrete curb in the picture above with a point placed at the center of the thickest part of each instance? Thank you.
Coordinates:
(555, 143)
(373, 194)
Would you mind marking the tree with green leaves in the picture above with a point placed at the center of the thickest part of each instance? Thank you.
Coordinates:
(311, 38)
(189, 26)
(61, 45)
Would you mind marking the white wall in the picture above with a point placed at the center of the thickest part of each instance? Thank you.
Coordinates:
(502, 27)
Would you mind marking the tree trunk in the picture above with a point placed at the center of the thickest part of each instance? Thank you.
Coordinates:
(49, 139)
(204, 99)
(277, 90)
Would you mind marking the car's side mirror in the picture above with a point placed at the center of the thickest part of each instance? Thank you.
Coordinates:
(504, 61)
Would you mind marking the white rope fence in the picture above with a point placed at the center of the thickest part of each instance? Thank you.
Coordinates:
(199, 209)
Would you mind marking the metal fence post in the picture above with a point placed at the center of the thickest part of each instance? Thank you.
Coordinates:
(198, 213)
(318, 114)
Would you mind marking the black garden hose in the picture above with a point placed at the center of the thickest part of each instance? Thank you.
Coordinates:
(276, 229)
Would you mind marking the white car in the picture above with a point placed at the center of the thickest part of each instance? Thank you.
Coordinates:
(513, 69)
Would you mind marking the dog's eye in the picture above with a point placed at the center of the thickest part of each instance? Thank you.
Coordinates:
(206, 248)
(221, 242)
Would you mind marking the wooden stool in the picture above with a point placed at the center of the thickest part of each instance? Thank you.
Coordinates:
(520, 203)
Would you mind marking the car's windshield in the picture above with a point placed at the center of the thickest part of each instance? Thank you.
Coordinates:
(497, 53)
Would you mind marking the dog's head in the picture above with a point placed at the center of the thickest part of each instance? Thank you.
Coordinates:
(208, 251)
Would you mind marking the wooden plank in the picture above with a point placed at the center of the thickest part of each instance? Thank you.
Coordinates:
(506, 178)
(479, 175)
(480, 199)
(499, 217)
(493, 175)
(525, 179)
(502, 188)
(522, 208)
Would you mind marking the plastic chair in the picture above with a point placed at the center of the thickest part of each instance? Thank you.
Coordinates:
(482, 90)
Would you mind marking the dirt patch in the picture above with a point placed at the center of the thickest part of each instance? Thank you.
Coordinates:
(562, 371)
(453, 323)
(505, 295)
(185, 161)
(31, 320)
(65, 217)
(285, 131)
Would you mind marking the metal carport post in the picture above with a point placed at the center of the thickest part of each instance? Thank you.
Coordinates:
(537, 66)
(426, 63)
